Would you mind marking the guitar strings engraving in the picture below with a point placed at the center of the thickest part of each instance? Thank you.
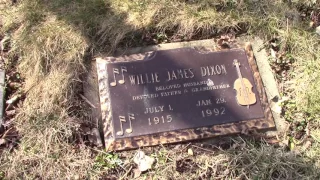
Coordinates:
(117, 72)
(122, 119)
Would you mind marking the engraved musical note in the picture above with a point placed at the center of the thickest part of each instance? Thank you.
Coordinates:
(131, 117)
(122, 120)
(123, 69)
(115, 71)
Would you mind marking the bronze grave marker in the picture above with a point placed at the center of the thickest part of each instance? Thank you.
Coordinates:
(181, 94)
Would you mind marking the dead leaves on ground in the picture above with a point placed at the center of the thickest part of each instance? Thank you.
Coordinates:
(9, 139)
(297, 136)
(315, 18)
(9, 136)
(85, 133)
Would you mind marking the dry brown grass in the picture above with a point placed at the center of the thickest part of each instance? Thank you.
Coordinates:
(53, 40)
(51, 60)
(245, 159)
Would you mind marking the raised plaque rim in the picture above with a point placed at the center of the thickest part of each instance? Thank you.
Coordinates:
(175, 136)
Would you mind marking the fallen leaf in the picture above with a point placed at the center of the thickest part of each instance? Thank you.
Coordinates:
(315, 17)
(76, 176)
(276, 107)
(318, 30)
(306, 145)
(3, 43)
(307, 129)
(86, 130)
(143, 161)
(178, 147)
(291, 146)
(185, 165)
(272, 141)
(226, 172)
(3, 141)
(273, 55)
(10, 112)
(311, 24)
(13, 99)
(94, 137)
(285, 142)
(136, 173)
(274, 45)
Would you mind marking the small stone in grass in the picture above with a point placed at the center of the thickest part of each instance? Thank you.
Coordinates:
(190, 152)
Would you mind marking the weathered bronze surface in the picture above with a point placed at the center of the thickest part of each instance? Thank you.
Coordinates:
(178, 89)
(179, 95)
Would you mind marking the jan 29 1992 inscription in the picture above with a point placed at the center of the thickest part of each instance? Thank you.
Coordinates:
(181, 89)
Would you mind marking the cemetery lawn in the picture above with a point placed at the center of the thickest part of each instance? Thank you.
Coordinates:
(47, 47)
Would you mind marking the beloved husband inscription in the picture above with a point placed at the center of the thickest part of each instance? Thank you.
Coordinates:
(181, 90)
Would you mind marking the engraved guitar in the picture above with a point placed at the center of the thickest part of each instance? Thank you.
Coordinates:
(245, 96)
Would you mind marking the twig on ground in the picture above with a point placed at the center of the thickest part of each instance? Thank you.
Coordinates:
(85, 99)
(5, 133)
(167, 157)
(203, 149)
(185, 147)
(127, 172)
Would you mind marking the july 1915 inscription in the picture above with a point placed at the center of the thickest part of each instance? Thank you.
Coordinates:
(181, 89)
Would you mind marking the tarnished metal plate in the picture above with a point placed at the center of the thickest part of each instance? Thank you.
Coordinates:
(178, 95)
(178, 89)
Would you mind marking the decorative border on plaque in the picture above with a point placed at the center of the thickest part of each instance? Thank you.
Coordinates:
(243, 127)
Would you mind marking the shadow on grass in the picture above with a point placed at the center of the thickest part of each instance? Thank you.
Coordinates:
(105, 29)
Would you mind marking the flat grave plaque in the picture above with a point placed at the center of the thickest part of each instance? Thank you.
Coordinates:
(182, 94)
